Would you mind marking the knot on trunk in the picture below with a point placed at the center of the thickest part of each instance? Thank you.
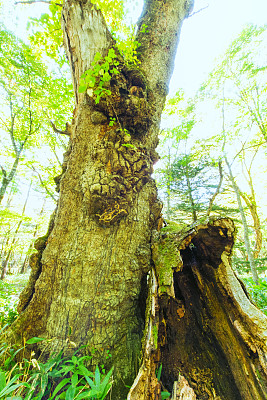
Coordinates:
(121, 168)
(125, 100)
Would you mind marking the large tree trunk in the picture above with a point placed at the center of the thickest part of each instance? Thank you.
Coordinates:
(90, 275)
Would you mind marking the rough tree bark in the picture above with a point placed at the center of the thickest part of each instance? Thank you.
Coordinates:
(104, 273)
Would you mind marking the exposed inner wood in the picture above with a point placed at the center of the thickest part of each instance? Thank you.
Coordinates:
(209, 331)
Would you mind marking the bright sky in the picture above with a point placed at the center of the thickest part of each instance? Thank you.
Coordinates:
(206, 35)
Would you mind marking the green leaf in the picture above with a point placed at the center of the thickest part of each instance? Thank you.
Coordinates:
(8, 389)
(74, 359)
(89, 381)
(105, 66)
(106, 77)
(165, 395)
(44, 383)
(70, 393)
(35, 340)
(2, 380)
(82, 370)
(105, 384)
(107, 377)
(64, 382)
(90, 80)
(67, 368)
(97, 57)
(82, 88)
(97, 376)
(91, 83)
(106, 390)
(111, 53)
(74, 380)
(84, 395)
(159, 372)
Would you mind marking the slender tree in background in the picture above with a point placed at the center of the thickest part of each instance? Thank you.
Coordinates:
(193, 182)
(244, 223)
(237, 85)
(13, 242)
(241, 77)
(28, 92)
(251, 202)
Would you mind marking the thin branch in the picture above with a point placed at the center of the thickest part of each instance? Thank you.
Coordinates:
(66, 132)
(5, 125)
(44, 185)
(11, 131)
(3, 171)
(217, 191)
(247, 148)
(198, 11)
(55, 153)
(37, 1)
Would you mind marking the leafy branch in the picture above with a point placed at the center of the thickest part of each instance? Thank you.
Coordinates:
(94, 80)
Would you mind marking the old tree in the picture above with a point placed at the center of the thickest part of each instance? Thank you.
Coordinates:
(106, 275)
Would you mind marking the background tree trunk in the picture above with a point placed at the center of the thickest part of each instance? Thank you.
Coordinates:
(251, 260)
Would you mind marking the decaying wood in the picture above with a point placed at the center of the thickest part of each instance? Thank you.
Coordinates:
(209, 331)
(182, 391)
(146, 385)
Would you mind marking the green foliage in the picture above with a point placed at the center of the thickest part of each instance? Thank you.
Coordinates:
(238, 82)
(258, 292)
(46, 33)
(22, 82)
(128, 47)
(57, 378)
(96, 79)
(30, 98)
(9, 292)
(9, 386)
(165, 395)
(190, 180)
(114, 12)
